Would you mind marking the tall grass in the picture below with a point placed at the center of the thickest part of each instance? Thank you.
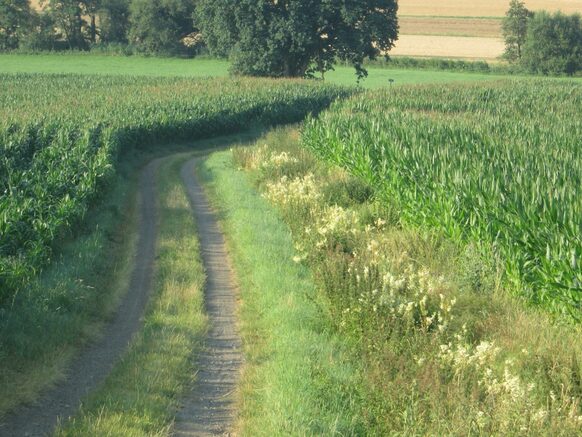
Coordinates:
(441, 347)
(141, 395)
(297, 378)
(498, 165)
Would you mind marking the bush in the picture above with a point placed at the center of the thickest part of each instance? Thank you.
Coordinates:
(553, 44)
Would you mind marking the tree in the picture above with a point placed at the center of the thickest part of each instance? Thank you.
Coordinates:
(91, 8)
(42, 35)
(291, 38)
(15, 17)
(113, 20)
(514, 28)
(554, 44)
(68, 17)
(157, 26)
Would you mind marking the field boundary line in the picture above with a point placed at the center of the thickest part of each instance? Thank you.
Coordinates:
(94, 362)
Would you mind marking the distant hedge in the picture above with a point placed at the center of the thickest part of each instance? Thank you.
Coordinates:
(553, 44)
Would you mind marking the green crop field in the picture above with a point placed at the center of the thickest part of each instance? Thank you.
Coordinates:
(407, 261)
(174, 67)
(497, 164)
(60, 137)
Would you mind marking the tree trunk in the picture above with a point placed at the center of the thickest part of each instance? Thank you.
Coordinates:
(93, 29)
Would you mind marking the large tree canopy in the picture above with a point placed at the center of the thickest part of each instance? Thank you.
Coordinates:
(287, 38)
(553, 44)
(514, 28)
(15, 16)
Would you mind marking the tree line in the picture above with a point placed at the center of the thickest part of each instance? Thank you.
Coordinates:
(542, 42)
(280, 38)
(152, 26)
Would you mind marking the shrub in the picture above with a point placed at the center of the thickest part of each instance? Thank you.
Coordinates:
(554, 44)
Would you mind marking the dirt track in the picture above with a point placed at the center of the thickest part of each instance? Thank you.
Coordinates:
(208, 409)
(96, 360)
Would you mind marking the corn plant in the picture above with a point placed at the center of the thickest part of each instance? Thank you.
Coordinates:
(60, 137)
(499, 164)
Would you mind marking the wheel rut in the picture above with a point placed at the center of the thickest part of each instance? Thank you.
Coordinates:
(97, 359)
(209, 407)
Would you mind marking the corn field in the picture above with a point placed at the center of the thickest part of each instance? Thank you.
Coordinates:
(497, 164)
(61, 135)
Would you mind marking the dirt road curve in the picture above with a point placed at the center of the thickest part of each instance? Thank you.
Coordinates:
(208, 409)
(97, 360)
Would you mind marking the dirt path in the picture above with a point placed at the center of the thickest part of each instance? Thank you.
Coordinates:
(209, 408)
(97, 360)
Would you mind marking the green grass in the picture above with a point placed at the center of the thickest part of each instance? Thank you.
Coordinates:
(151, 66)
(498, 164)
(80, 63)
(48, 321)
(297, 377)
(141, 395)
(442, 348)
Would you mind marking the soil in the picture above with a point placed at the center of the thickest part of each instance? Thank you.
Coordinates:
(97, 360)
(209, 408)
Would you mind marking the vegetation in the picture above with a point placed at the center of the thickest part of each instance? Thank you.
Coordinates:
(160, 26)
(297, 378)
(141, 395)
(92, 63)
(515, 29)
(542, 42)
(437, 346)
(442, 156)
(60, 137)
(14, 20)
(65, 306)
(554, 44)
(294, 38)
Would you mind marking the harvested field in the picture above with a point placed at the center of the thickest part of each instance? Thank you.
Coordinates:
(447, 26)
(448, 47)
(480, 8)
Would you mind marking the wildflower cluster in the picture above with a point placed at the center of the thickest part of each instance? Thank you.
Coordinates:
(508, 401)
(381, 296)
(292, 192)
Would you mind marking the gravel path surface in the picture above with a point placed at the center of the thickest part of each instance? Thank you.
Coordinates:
(209, 408)
(96, 361)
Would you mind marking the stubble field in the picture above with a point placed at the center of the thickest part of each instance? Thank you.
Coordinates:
(460, 28)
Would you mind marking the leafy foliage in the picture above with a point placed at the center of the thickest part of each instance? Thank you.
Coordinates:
(499, 165)
(158, 26)
(15, 16)
(60, 137)
(68, 17)
(290, 38)
(554, 44)
(515, 29)
(113, 20)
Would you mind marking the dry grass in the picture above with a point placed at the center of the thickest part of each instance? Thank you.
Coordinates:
(481, 8)
(480, 27)
(448, 47)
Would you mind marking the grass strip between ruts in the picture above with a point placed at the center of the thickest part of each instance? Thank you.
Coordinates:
(297, 379)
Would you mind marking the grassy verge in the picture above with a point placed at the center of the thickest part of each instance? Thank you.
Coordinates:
(298, 378)
(66, 306)
(443, 350)
(141, 395)
(50, 320)
(171, 67)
